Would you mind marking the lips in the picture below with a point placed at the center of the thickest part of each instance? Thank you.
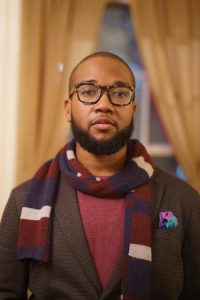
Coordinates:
(103, 123)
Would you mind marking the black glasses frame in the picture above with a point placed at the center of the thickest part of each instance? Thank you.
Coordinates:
(102, 89)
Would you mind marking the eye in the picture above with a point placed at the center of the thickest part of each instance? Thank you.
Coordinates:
(120, 92)
(87, 90)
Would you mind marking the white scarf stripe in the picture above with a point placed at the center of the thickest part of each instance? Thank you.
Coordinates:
(35, 214)
(140, 252)
(144, 165)
(70, 154)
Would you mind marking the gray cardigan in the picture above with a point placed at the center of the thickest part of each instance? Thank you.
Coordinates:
(71, 275)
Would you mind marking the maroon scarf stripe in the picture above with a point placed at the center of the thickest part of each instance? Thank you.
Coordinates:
(27, 226)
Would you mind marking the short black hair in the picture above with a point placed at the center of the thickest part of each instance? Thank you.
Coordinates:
(99, 54)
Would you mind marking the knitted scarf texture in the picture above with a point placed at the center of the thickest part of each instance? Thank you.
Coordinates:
(132, 183)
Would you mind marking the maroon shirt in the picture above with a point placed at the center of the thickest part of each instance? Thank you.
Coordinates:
(103, 222)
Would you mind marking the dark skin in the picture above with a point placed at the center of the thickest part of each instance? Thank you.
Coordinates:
(102, 120)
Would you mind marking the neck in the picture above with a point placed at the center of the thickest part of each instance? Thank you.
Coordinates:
(101, 165)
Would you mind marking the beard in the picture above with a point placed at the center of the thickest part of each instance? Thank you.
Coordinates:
(102, 147)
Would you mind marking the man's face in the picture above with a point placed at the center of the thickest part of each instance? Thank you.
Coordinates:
(101, 128)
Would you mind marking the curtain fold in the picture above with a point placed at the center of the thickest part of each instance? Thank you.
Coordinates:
(10, 18)
(168, 34)
(56, 34)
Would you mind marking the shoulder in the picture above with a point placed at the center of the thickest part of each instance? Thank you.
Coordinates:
(174, 191)
(21, 189)
(173, 183)
(17, 196)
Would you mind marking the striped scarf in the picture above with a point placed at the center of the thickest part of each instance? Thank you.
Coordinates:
(132, 183)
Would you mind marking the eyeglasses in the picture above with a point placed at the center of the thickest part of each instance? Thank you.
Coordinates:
(90, 93)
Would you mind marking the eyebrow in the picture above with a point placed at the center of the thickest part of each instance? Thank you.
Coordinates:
(89, 81)
(118, 82)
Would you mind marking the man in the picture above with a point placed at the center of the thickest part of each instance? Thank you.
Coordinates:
(100, 221)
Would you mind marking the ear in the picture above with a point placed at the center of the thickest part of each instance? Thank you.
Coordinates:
(134, 107)
(67, 106)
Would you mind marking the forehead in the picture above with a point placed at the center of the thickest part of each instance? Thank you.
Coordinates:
(103, 70)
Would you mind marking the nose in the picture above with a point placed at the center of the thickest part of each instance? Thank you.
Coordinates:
(104, 104)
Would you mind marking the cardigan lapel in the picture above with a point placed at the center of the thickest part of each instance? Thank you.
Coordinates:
(114, 280)
(68, 216)
(157, 188)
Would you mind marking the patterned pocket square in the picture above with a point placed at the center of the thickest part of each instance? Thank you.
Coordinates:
(167, 220)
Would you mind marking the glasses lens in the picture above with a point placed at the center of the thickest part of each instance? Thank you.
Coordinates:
(120, 95)
(88, 93)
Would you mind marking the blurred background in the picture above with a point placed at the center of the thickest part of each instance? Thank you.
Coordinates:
(41, 41)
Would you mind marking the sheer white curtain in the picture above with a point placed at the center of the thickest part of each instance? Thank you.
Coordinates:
(9, 65)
